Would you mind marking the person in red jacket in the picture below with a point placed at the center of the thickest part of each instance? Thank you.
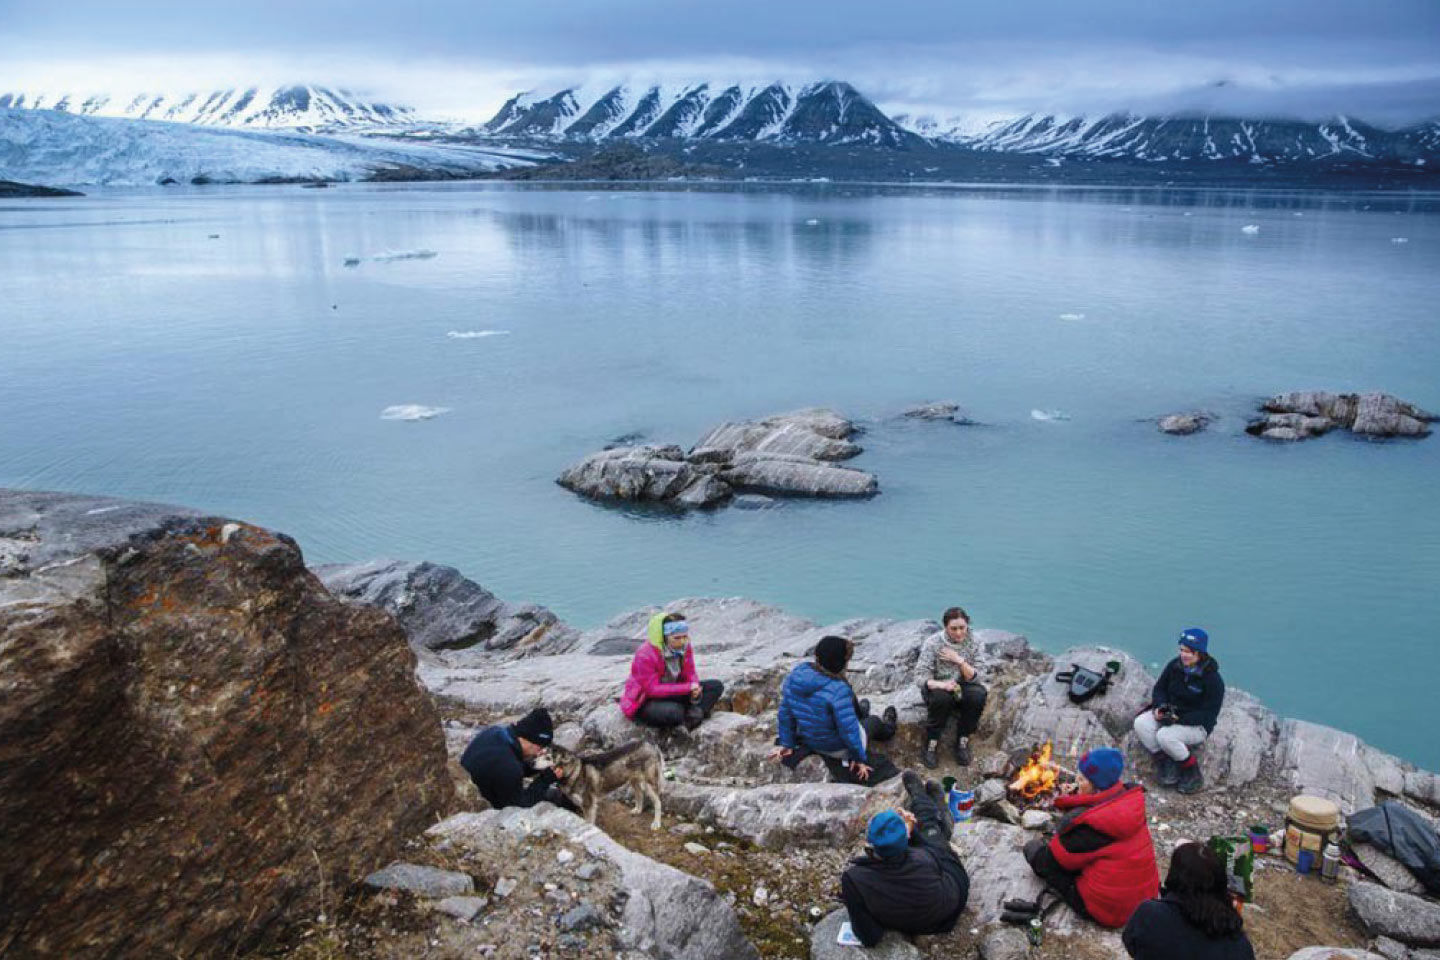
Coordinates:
(1101, 860)
(663, 689)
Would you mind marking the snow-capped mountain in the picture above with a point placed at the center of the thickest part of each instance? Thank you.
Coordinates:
(828, 112)
(1185, 138)
(43, 146)
(294, 107)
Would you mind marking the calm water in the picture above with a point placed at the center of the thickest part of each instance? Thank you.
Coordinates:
(246, 374)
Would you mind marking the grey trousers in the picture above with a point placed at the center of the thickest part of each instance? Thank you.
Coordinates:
(1175, 739)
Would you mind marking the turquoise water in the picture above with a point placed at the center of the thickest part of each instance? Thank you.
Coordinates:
(246, 374)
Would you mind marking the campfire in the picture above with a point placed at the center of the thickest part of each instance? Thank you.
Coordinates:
(1037, 779)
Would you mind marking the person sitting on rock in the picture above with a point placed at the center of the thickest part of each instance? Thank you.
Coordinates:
(1194, 919)
(947, 681)
(663, 689)
(1100, 860)
(1183, 710)
(500, 758)
(819, 714)
(910, 880)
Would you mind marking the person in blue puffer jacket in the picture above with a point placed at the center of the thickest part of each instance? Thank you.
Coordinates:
(819, 714)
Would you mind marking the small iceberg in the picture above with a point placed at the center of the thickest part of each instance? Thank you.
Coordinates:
(476, 334)
(1049, 415)
(812, 222)
(1250, 228)
(1072, 316)
(389, 256)
(412, 411)
(1399, 239)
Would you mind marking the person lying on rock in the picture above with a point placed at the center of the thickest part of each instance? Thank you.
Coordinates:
(909, 880)
(820, 714)
(1183, 710)
(947, 681)
(1100, 860)
(500, 758)
(1194, 919)
(663, 689)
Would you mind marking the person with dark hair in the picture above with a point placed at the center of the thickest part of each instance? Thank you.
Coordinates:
(1101, 860)
(909, 880)
(500, 758)
(1184, 708)
(663, 689)
(948, 684)
(1194, 918)
(820, 714)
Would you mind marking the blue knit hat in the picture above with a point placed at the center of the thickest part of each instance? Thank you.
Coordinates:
(887, 835)
(1102, 767)
(1196, 639)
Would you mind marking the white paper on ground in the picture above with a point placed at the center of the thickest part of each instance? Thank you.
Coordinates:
(847, 936)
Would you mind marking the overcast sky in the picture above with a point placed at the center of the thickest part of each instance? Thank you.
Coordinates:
(1374, 58)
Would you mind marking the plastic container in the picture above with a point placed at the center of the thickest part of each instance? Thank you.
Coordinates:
(962, 805)
(1260, 839)
(1310, 823)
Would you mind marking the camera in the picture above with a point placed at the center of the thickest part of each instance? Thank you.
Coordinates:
(1168, 714)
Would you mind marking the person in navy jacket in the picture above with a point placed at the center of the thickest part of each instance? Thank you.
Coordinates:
(1184, 708)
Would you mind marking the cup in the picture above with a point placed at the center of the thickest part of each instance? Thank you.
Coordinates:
(948, 784)
(1113, 666)
(1305, 861)
(962, 805)
(1260, 838)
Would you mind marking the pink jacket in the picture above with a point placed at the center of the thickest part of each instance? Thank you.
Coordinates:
(645, 681)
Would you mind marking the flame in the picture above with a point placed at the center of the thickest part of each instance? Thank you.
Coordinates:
(1038, 776)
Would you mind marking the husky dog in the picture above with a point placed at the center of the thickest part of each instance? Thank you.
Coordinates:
(588, 777)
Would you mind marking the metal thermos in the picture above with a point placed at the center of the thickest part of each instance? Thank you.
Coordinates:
(1330, 864)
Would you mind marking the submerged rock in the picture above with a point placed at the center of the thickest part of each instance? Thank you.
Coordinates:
(939, 410)
(200, 739)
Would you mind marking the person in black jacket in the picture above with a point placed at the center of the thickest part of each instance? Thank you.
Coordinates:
(1182, 712)
(1193, 919)
(910, 880)
(500, 758)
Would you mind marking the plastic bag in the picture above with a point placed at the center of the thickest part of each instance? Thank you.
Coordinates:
(1239, 860)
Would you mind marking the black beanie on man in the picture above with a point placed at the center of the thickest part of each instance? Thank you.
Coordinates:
(833, 653)
(536, 727)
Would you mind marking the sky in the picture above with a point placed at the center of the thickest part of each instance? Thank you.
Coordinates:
(1378, 59)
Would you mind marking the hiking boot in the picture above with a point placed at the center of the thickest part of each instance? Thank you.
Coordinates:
(928, 756)
(913, 784)
(942, 803)
(891, 717)
(1190, 779)
(962, 751)
(862, 709)
(1167, 771)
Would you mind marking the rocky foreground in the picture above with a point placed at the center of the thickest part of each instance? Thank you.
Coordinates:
(206, 753)
(10, 189)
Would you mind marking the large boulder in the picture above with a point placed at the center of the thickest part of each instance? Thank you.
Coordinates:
(797, 476)
(1309, 412)
(777, 815)
(197, 740)
(1412, 920)
(813, 434)
(648, 473)
(441, 611)
(824, 945)
(666, 913)
(1326, 762)
(1040, 709)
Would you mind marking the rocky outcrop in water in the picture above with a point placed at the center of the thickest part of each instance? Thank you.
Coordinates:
(788, 455)
(196, 740)
(943, 410)
(1309, 413)
(1182, 424)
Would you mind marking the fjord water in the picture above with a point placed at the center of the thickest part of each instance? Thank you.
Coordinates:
(209, 347)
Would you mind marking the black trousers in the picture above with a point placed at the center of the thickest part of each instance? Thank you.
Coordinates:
(940, 705)
(1056, 877)
(882, 768)
(673, 711)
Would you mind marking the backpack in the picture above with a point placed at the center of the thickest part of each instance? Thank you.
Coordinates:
(1086, 683)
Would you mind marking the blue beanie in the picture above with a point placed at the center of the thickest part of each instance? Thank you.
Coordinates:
(1103, 767)
(887, 835)
(1196, 639)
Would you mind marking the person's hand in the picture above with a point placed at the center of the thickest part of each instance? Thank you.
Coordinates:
(1066, 789)
(694, 691)
(1159, 713)
(780, 753)
(951, 686)
(951, 655)
(908, 817)
(860, 771)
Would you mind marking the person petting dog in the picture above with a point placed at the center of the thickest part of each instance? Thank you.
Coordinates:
(909, 880)
(1101, 860)
(948, 684)
(501, 758)
(820, 714)
(663, 689)
(1184, 707)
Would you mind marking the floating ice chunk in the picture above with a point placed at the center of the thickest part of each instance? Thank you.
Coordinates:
(476, 334)
(1072, 316)
(1399, 239)
(352, 261)
(812, 222)
(412, 411)
(1049, 415)
(386, 256)
(1250, 228)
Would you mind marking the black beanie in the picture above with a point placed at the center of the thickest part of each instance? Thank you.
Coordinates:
(833, 653)
(536, 727)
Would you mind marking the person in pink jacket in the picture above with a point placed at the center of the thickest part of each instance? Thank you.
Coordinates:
(663, 689)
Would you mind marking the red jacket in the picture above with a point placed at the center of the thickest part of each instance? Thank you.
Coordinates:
(647, 672)
(1114, 856)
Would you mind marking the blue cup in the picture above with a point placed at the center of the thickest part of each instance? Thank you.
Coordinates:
(1305, 861)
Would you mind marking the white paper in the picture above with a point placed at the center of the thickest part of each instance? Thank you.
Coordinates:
(847, 936)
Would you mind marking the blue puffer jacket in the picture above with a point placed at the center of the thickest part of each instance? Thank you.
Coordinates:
(818, 711)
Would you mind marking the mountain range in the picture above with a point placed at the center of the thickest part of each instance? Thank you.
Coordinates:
(297, 106)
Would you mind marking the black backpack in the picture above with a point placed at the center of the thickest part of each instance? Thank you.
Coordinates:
(1086, 683)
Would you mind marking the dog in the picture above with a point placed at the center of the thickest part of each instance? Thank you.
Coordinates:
(588, 777)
